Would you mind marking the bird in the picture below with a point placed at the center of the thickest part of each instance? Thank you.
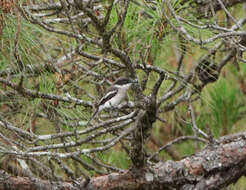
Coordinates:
(113, 96)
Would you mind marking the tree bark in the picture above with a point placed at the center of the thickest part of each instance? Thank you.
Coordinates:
(215, 167)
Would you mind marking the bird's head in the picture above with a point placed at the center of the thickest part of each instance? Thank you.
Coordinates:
(124, 83)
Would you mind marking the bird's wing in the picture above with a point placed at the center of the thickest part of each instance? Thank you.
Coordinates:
(110, 94)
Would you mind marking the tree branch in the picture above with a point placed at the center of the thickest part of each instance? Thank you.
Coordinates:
(213, 168)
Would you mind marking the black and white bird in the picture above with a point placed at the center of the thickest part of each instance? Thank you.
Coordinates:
(113, 96)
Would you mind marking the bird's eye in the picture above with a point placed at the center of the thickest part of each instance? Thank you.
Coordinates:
(122, 81)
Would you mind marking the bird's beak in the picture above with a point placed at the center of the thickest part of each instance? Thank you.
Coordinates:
(134, 81)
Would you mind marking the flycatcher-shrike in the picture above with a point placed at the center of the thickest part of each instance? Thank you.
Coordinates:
(114, 95)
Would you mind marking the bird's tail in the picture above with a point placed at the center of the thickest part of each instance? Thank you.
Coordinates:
(93, 116)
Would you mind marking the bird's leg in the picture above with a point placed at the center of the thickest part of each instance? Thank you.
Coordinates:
(114, 111)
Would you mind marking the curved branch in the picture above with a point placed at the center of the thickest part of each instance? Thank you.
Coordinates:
(214, 167)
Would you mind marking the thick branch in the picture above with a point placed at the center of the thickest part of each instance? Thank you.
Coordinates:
(213, 168)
